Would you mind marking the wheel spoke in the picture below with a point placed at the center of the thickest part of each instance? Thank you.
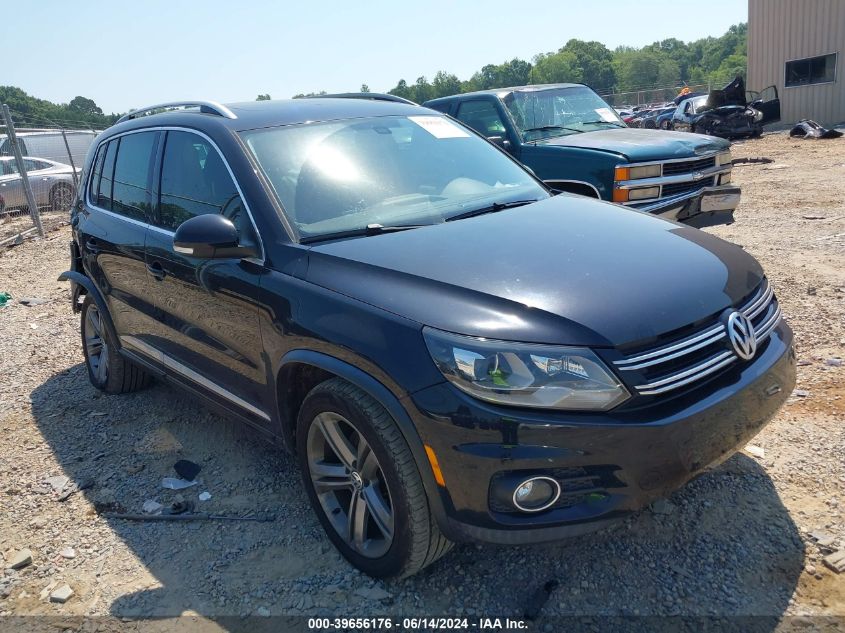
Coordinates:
(329, 477)
(341, 447)
(357, 522)
(379, 511)
(103, 364)
(369, 467)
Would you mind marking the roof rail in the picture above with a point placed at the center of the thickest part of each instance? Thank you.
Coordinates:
(373, 96)
(206, 107)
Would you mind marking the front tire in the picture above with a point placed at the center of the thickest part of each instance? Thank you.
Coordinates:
(364, 484)
(108, 371)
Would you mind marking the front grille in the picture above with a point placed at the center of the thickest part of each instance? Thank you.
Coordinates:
(685, 187)
(704, 353)
(688, 166)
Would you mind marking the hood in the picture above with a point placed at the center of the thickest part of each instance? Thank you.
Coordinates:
(567, 270)
(640, 145)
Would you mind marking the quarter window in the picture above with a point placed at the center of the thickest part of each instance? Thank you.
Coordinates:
(195, 181)
(131, 194)
(813, 70)
(104, 188)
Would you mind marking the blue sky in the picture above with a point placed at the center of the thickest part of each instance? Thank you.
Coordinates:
(126, 55)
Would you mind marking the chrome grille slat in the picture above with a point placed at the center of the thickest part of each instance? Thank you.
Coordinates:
(683, 352)
(761, 306)
(688, 380)
(688, 372)
(761, 297)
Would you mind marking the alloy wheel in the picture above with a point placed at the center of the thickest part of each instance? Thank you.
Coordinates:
(96, 348)
(350, 485)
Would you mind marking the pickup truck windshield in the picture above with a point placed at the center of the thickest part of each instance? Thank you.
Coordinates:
(365, 176)
(551, 112)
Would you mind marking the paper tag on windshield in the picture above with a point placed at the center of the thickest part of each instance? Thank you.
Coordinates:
(439, 127)
(606, 115)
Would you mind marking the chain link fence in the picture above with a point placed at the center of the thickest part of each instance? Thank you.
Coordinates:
(656, 96)
(40, 163)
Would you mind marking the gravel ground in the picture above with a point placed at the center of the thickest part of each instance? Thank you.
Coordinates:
(745, 539)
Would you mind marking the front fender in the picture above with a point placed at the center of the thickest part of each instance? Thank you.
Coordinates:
(390, 402)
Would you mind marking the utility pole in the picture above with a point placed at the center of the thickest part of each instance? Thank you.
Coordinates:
(27, 186)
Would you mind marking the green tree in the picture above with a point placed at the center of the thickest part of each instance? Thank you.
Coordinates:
(592, 64)
(84, 106)
(644, 69)
(553, 68)
(264, 97)
(402, 90)
(364, 88)
(444, 84)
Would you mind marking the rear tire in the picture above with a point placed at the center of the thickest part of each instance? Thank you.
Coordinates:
(108, 371)
(356, 463)
(61, 198)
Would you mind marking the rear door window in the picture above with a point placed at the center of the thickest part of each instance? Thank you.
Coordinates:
(131, 195)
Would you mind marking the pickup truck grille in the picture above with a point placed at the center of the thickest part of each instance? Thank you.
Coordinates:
(688, 166)
(701, 354)
(685, 187)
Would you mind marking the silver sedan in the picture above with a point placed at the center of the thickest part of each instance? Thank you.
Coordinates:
(52, 184)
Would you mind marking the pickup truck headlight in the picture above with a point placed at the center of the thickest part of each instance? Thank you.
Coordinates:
(636, 173)
(723, 158)
(525, 374)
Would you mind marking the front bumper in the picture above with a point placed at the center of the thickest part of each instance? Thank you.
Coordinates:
(634, 455)
(705, 207)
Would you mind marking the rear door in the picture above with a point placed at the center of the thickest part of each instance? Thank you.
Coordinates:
(112, 230)
(768, 102)
(207, 330)
(11, 185)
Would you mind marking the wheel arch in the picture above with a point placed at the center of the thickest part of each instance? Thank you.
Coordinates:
(579, 187)
(302, 369)
(78, 280)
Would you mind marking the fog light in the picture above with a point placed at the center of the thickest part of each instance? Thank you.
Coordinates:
(535, 494)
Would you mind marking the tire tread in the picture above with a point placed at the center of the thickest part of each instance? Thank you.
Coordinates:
(428, 543)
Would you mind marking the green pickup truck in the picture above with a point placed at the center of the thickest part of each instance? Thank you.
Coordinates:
(575, 142)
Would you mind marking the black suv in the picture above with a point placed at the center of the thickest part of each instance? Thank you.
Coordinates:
(452, 352)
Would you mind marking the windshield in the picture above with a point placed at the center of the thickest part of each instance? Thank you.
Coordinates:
(391, 171)
(698, 104)
(558, 111)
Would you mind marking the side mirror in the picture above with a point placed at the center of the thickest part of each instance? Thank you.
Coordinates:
(209, 236)
(501, 141)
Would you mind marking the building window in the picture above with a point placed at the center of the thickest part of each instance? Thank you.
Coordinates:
(813, 70)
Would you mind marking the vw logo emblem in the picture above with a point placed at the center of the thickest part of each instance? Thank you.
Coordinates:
(697, 175)
(741, 335)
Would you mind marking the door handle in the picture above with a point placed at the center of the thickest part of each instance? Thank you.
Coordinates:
(157, 271)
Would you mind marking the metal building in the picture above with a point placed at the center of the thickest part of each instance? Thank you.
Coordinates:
(797, 45)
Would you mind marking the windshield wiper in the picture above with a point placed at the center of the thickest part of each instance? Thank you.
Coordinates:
(370, 229)
(613, 123)
(543, 128)
(491, 208)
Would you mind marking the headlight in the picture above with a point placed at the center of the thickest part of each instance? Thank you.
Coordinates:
(724, 158)
(643, 193)
(636, 173)
(524, 374)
